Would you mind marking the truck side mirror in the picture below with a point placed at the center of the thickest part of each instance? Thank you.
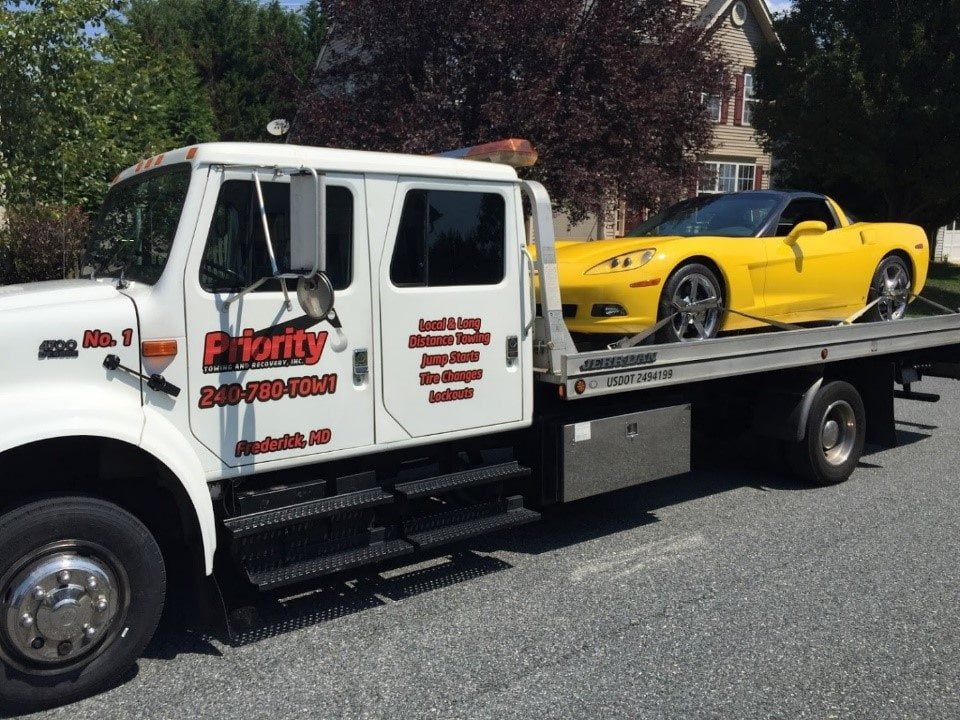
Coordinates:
(308, 243)
(808, 227)
(308, 231)
(315, 295)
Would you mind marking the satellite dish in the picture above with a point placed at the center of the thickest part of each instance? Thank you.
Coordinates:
(278, 127)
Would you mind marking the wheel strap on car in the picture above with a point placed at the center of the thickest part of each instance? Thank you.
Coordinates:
(635, 340)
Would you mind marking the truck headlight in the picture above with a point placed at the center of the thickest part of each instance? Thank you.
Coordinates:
(621, 263)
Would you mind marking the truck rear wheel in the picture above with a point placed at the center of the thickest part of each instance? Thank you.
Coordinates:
(82, 586)
(834, 438)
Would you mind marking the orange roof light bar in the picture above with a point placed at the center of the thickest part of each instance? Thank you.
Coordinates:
(158, 348)
(513, 152)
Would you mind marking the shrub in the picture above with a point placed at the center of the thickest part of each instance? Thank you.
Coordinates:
(42, 242)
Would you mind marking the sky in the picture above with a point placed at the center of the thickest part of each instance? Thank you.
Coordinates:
(778, 5)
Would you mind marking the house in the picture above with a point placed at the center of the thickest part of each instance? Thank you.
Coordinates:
(736, 161)
(948, 244)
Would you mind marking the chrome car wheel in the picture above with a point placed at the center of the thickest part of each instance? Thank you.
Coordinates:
(61, 605)
(695, 301)
(895, 286)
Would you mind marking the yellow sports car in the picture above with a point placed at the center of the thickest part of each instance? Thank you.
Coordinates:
(792, 257)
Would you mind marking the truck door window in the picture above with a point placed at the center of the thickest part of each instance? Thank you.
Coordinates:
(235, 255)
(450, 238)
(802, 210)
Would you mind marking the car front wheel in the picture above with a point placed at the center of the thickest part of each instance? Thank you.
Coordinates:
(693, 297)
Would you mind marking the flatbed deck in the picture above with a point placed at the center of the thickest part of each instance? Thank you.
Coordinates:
(607, 372)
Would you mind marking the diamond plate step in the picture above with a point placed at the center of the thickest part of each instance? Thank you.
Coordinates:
(327, 564)
(244, 525)
(460, 480)
(471, 528)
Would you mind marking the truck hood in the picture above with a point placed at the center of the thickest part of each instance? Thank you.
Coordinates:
(54, 292)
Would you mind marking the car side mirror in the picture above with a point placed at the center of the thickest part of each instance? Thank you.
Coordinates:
(806, 228)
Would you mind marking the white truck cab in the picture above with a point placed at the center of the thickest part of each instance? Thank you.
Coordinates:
(289, 362)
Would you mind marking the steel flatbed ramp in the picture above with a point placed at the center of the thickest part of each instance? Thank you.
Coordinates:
(607, 372)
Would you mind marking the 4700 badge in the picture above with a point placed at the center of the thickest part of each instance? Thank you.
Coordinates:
(625, 380)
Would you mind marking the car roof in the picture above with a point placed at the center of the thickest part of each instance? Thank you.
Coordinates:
(783, 194)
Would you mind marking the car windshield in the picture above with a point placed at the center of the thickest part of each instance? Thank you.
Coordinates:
(738, 215)
(137, 223)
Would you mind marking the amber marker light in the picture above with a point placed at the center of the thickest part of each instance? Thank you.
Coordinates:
(159, 348)
(645, 283)
(514, 152)
(191, 153)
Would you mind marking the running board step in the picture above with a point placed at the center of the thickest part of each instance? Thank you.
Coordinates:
(244, 525)
(328, 564)
(461, 480)
(515, 515)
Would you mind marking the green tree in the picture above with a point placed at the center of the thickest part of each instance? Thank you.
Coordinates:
(78, 105)
(864, 104)
(253, 58)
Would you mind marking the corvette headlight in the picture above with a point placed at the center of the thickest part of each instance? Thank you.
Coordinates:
(621, 263)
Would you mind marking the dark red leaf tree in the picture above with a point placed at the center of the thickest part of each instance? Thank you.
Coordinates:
(608, 90)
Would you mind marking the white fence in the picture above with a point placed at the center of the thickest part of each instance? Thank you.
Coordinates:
(948, 244)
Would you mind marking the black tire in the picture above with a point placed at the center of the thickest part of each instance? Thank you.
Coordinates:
(811, 459)
(890, 267)
(95, 531)
(680, 330)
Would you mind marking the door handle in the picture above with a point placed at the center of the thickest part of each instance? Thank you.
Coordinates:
(361, 365)
(513, 349)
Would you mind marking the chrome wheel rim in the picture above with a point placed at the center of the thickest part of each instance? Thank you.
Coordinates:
(838, 432)
(61, 606)
(695, 302)
(895, 287)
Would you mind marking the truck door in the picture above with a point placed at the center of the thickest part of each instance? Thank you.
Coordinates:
(266, 381)
(450, 304)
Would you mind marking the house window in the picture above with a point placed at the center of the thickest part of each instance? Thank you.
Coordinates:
(749, 98)
(739, 14)
(711, 104)
(716, 178)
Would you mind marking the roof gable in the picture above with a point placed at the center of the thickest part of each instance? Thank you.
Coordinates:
(714, 10)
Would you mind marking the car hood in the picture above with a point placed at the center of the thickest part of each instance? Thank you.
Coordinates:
(54, 292)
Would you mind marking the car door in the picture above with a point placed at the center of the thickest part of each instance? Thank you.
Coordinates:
(450, 308)
(266, 381)
(810, 279)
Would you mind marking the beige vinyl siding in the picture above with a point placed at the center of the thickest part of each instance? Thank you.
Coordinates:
(741, 46)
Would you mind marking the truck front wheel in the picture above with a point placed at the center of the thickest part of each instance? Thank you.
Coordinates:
(834, 438)
(82, 586)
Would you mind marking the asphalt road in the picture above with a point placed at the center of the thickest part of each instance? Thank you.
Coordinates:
(730, 594)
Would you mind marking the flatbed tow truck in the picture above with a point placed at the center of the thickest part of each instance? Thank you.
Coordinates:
(292, 362)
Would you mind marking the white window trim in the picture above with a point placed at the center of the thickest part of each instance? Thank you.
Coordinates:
(741, 174)
(748, 99)
(705, 100)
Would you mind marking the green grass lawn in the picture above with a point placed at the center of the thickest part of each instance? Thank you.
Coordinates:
(943, 286)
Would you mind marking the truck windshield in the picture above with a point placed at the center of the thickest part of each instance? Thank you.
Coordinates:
(137, 223)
